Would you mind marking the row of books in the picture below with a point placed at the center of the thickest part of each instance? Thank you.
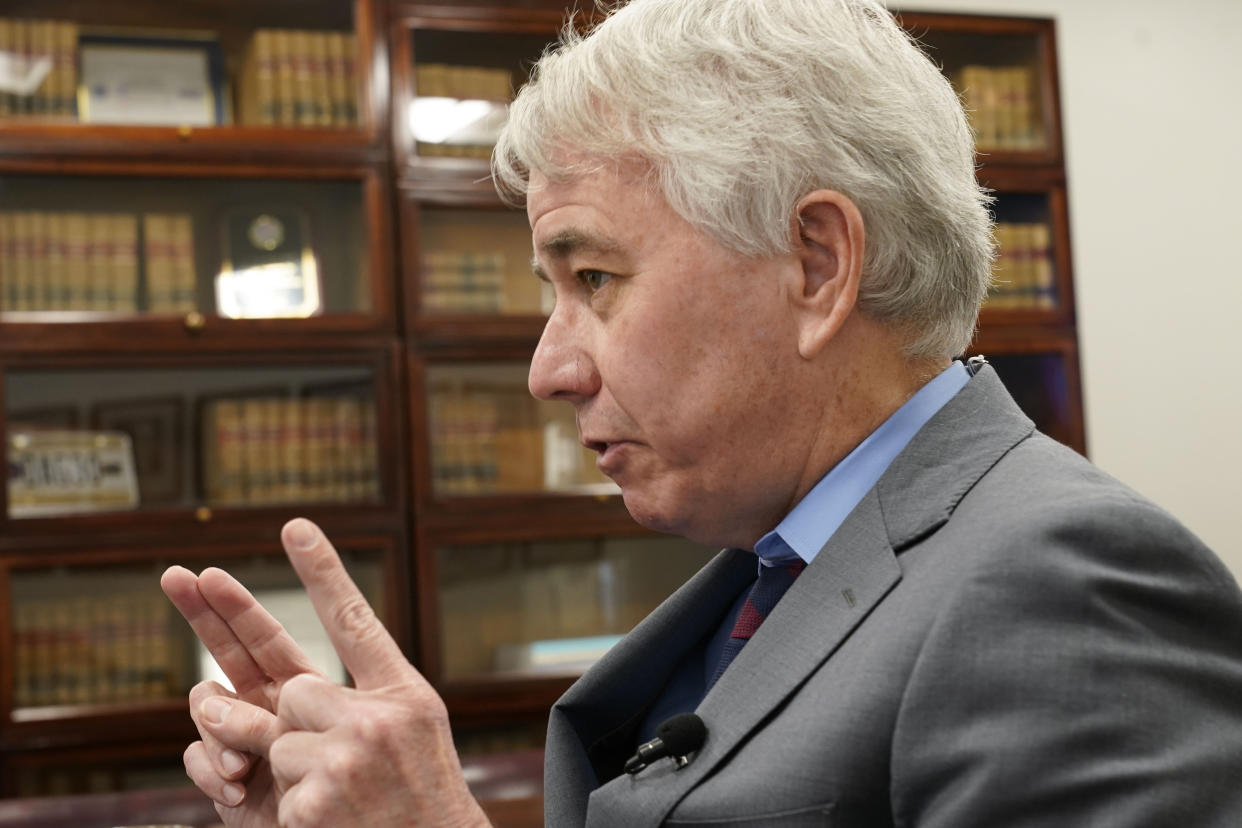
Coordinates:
(93, 649)
(443, 80)
(1003, 106)
(277, 450)
(295, 77)
(463, 282)
(484, 439)
(90, 262)
(44, 49)
(1024, 275)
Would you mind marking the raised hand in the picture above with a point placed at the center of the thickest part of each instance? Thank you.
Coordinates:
(258, 656)
(381, 754)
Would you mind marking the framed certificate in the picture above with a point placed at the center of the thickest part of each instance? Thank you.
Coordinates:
(170, 81)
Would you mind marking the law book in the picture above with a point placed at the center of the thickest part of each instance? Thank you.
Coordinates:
(37, 245)
(351, 78)
(77, 267)
(1043, 278)
(338, 84)
(99, 289)
(303, 83)
(65, 71)
(181, 256)
(369, 438)
(321, 82)
(23, 268)
(124, 262)
(286, 90)
(157, 261)
(57, 272)
(43, 47)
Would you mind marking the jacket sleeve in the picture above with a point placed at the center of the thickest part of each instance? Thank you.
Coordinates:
(1090, 675)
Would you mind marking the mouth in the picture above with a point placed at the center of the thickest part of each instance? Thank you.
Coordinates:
(609, 453)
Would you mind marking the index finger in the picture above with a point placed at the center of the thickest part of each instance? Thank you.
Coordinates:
(365, 647)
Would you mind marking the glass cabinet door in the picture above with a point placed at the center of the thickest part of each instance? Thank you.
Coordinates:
(551, 608)
(463, 82)
(84, 247)
(1025, 270)
(259, 63)
(488, 435)
(1001, 77)
(478, 262)
(116, 439)
(106, 635)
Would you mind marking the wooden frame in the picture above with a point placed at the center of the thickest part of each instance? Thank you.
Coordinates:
(156, 425)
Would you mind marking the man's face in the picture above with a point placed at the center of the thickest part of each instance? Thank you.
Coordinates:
(677, 355)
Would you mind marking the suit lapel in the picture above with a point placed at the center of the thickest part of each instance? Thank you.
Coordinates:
(854, 571)
(597, 715)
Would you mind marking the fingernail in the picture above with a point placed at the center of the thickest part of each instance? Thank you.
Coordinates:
(232, 794)
(232, 761)
(302, 534)
(216, 710)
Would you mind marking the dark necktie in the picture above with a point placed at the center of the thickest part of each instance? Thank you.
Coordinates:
(768, 588)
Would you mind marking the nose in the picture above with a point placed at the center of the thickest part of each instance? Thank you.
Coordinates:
(562, 367)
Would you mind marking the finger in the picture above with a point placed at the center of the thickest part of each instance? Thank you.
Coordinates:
(181, 587)
(365, 647)
(238, 726)
(201, 770)
(229, 761)
(250, 646)
(295, 754)
(264, 641)
(310, 703)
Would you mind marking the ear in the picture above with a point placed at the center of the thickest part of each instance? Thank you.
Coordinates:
(828, 241)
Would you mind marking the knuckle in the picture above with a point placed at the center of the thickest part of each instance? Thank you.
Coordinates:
(355, 617)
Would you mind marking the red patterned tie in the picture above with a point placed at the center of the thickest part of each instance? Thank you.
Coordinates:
(768, 588)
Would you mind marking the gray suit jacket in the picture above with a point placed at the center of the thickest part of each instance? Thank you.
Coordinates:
(999, 635)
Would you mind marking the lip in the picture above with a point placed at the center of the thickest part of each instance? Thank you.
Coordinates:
(609, 453)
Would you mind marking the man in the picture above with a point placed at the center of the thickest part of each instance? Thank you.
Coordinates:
(761, 223)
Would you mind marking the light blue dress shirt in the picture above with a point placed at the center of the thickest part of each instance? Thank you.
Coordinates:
(806, 529)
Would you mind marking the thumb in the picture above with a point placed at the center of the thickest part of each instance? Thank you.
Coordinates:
(365, 647)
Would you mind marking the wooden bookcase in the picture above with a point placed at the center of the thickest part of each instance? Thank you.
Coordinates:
(476, 510)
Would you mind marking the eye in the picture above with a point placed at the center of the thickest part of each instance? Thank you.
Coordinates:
(594, 279)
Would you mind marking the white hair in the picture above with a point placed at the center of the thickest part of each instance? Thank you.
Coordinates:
(741, 107)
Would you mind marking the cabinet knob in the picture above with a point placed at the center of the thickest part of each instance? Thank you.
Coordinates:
(184, 132)
(195, 321)
(202, 514)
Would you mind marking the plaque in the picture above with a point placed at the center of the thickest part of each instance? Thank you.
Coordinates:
(67, 472)
(268, 269)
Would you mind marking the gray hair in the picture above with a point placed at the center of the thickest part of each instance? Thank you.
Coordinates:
(741, 107)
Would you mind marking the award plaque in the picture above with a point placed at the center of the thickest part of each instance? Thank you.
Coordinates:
(268, 269)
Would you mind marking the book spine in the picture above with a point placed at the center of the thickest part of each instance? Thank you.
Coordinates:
(321, 85)
(349, 70)
(23, 267)
(38, 261)
(303, 84)
(125, 263)
(57, 273)
(66, 87)
(7, 298)
(184, 281)
(77, 265)
(99, 256)
(338, 90)
(156, 246)
(282, 62)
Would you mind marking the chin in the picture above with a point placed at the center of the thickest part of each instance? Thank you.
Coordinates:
(654, 513)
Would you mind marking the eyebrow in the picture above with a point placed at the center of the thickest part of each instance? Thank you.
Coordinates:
(570, 241)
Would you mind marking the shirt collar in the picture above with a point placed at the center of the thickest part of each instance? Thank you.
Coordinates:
(806, 529)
